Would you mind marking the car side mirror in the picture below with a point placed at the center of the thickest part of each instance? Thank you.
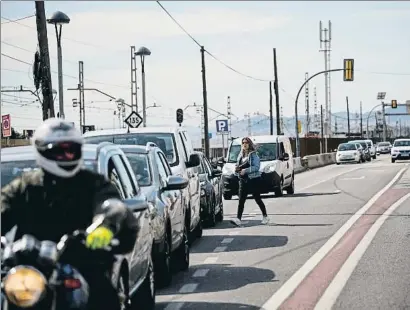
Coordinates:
(221, 162)
(193, 161)
(136, 204)
(175, 182)
(216, 173)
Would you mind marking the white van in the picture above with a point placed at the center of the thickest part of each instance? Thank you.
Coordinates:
(275, 153)
(180, 154)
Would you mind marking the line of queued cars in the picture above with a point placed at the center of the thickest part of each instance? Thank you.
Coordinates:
(355, 151)
(171, 189)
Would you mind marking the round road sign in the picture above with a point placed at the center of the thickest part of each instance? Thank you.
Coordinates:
(6, 124)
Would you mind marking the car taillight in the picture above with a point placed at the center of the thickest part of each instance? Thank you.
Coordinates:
(72, 283)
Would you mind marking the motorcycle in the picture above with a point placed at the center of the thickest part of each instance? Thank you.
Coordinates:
(35, 276)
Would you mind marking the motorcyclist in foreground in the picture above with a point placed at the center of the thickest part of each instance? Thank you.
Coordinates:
(61, 197)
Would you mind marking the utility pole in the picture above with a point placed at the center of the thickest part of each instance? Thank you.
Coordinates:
(361, 120)
(321, 129)
(276, 87)
(325, 39)
(384, 122)
(270, 110)
(348, 117)
(45, 72)
(134, 97)
(229, 113)
(282, 125)
(205, 104)
(81, 94)
(307, 104)
(315, 111)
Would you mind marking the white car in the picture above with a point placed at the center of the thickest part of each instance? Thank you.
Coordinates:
(400, 150)
(348, 153)
(384, 147)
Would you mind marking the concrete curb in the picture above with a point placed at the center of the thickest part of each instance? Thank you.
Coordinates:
(313, 161)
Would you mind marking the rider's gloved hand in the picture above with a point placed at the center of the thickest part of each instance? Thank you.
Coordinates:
(100, 238)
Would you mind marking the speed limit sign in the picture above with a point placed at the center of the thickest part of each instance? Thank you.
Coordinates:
(133, 120)
(6, 125)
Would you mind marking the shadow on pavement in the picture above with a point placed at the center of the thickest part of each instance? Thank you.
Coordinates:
(226, 224)
(240, 243)
(196, 305)
(251, 223)
(220, 277)
(297, 195)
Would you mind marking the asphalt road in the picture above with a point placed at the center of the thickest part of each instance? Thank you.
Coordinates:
(279, 266)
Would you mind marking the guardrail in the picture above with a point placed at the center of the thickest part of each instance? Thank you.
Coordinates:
(313, 161)
(14, 142)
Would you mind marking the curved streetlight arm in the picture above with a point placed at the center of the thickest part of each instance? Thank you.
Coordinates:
(368, 116)
(296, 105)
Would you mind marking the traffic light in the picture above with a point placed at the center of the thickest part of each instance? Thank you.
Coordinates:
(348, 72)
(180, 116)
(299, 126)
(394, 104)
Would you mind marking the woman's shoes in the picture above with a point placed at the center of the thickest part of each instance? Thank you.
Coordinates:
(237, 222)
(265, 220)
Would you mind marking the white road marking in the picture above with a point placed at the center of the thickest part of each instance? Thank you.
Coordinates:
(233, 233)
(174, 306)
(220, 249)
(328, 179)
(352, 178)
(227, 240)
(253, 214)
(200, 273)
(188, 288)
(211, 260)
(334, 289)
(293, 282)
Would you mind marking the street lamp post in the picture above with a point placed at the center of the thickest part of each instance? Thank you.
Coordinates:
(58, 19)
(142, 52)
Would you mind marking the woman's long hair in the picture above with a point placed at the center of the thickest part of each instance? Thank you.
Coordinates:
(251, 147)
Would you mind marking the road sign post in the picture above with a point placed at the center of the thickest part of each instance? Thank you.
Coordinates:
(134, 120)
(6, 125)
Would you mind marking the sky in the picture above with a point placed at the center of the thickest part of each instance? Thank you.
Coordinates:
(241, 34)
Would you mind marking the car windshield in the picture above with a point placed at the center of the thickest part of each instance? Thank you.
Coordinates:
(266, 152)
(141, 168)
(346, 147)
(201, 168)
(402, 143)
(384, 144)
(369, 145)
(165, 141)
(362, 143)
(12, 169)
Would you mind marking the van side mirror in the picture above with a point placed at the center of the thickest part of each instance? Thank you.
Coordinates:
(285, 157)
(221, 162)
(193, 161)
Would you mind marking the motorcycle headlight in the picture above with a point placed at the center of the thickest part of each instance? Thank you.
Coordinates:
(24, 286)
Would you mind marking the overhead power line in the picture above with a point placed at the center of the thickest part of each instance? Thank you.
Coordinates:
(206, 51)
(16, 20)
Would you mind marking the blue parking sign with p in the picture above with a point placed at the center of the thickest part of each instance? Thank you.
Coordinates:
(222, 125)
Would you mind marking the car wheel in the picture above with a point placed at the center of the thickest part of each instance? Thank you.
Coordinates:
(123, 291)
(199, 230)
(163, 272)
(181, 257)
(393, 160)
(220, 215)
(337, 163)
(144, 298)
(291, 189)
(375, 156)
(279, 190)
(212, 216)
(227, 196)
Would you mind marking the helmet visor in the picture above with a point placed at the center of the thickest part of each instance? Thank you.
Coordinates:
(61, 151)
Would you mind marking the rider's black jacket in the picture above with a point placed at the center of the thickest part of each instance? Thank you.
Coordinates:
(47, 207)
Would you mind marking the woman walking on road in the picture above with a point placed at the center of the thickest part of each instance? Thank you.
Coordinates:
(247, 169)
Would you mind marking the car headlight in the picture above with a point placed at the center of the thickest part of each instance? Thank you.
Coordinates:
(269, 168)
(394, 151)
(354, 154)
(202, 192)
(24, 286)
(227, 170)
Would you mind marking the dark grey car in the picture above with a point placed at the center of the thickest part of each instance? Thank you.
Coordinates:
(133, 273)
(164, 191)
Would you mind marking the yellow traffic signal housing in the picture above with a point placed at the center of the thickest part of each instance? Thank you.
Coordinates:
(394, 104)
(348, 72)
(299, 126)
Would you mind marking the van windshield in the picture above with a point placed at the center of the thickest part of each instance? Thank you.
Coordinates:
(347, 147)
(165, 141)
(266, 152)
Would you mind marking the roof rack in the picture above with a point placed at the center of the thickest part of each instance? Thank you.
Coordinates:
(150, 145)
